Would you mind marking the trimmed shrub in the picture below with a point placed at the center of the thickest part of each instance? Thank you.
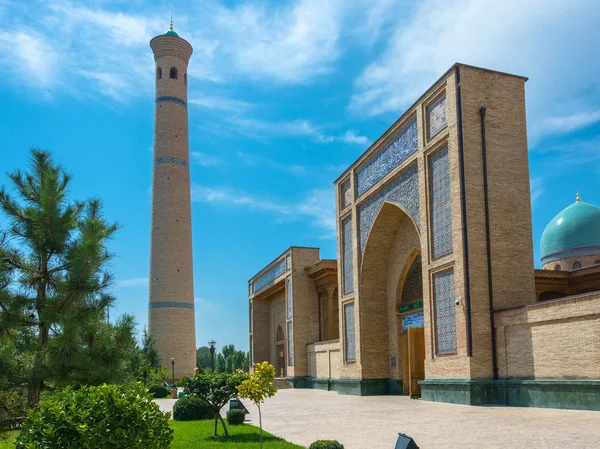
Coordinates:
(326, 444)
(192, 408)
(107, 416)
(235, 416)
(158, 391)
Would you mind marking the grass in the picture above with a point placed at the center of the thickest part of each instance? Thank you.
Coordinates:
(199, 435)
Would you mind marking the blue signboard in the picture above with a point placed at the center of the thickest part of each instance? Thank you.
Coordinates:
(414, 319)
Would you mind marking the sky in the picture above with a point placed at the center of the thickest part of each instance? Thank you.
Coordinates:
(283, 96)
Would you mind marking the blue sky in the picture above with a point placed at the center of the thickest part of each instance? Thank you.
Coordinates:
(283, 96)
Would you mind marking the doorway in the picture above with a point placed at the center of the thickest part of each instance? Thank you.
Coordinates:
(280, 372)
(416, 360)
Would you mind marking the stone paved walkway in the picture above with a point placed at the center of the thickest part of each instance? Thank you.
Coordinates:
(373, 422)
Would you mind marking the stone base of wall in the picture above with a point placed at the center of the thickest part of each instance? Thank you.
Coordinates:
(355, 387)
(565, 394)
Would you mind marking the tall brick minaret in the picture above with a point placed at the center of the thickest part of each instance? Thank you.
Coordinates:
(171, 290)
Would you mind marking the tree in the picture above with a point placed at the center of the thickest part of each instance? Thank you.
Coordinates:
(215, 389)
(59, 286)
(228, 361)
(258, 387)
(203, 358)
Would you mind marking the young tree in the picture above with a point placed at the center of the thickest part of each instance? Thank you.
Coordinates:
(59, 289)
(203, 358)
(258, 387)
(215, 390)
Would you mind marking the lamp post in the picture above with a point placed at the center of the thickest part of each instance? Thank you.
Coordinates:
(212, 344)
(173, 387)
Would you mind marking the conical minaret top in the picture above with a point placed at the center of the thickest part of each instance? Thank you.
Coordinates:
(171, 286)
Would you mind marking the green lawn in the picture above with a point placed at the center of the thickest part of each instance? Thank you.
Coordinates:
(198, 435)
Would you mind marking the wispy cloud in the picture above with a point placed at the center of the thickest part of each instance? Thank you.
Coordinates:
(552, 49)
(205, 160)
(352, 137)
(223, 104)
(203, 303)
(255, 160)
(536, 189)
(316, 206)
(567, 123)
(134, 282)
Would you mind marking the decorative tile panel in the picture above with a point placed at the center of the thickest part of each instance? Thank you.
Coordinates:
(171, 100)
(345, 195)
(436, 116)
(349, 332)
(288, 295)
(403, 145)
(348, 260)
(445, 312)
(412, 289)
(290, 336)
(161, 304)
(170, 160)
(267, 279)
(403, 190)
(441, 214)
(288, 262)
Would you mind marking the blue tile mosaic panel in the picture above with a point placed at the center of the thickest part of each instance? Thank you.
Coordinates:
(349, 332)
(403, 190)
(267, 279)
(170, 160)
(171, 100)
(412, 289)
(290, 336)
(445, 312)
(403, 145)
(441, 213)
(348, 256)
(345, 195)
(288, 295)
(436, 116)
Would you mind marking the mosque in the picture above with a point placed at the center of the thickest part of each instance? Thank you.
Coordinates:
(434, 292)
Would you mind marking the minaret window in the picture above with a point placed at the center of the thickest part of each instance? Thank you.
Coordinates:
(185, 79)
(173, 73)
(158, 73)
(557, 268)
(576, 266)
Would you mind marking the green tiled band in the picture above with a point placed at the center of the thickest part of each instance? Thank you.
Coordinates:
(156, 305)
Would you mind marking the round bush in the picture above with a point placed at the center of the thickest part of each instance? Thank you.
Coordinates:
(326, 444)
(158, 391)
(107, 416)
(236, 416)
(192, 408)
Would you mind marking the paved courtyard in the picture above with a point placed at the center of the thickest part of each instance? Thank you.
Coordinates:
(373, 422)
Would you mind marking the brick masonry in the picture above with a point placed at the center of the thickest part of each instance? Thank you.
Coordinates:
(171, 267)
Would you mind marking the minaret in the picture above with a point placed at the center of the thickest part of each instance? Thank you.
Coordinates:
(171, 289)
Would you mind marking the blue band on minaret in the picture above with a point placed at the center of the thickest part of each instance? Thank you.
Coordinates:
(171, 100)
(170, 160)
(161, 304)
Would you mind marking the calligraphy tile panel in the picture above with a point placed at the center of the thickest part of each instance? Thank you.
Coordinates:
(345, 195)
(403, 145)
(349, 332)
(445, 312)
(290, 336)
(437, 116)
(348, 256)
(288, 292)
(441, 213)
(404, 191)
(267, 279)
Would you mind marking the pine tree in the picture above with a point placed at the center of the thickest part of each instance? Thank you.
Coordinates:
(59, 281)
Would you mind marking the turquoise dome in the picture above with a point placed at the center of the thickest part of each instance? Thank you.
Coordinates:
(171, 33)
(575, 231)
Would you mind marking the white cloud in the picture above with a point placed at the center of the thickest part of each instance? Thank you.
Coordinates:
(352, 137)
(134, 282)
(219, 103)
(568, 123)
(203, 303)
(316, 206)
(550, 42)
(536, 189)
(288, 43)
(205, 160)
(254, 160)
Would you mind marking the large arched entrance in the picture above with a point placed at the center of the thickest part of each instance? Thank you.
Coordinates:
(391, 307)
(280, 353)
